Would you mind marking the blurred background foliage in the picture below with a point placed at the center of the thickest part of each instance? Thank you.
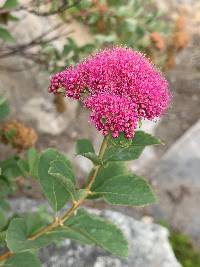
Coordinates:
(121, 22)
(186, 253)
(135, 23)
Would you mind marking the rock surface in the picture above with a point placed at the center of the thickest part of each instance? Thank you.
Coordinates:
(184, 79)
(177, 178)
(148, 244)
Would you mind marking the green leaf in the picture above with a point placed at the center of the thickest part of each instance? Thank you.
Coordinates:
(3, 220)
(107, 171)
(4, 107)
(23, 259)
(4, 185)
(101, 232)
(116, 153)
(85, 148)
(82, 227)
(140, 31)
(10, 4)
(10, 134)
(35, 221)
(120, 141)
(12, 18)
(24, 168)
(101, 39)
(80, 194)
(127, 189)
(5, 35)
(64, 176)
(53, 189)
(60, 167)
(130, 24)
(121, 149)
(67, 49)
(17, 237)
(18, 230)
(144, 139)
(93, 157)
(10, 168)
(2, 238)
(33, 159)
(4, 204)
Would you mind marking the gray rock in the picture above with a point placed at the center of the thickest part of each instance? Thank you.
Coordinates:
(177, 178)
(42, 111)
(148, 244)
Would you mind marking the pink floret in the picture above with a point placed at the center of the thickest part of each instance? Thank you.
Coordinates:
(121, 86)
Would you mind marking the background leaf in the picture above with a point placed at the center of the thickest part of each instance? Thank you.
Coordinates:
(10, 4)
(33, 160)
(5, 188)
(10, 168)
(24, 168)
(4, 107)
(5, 35)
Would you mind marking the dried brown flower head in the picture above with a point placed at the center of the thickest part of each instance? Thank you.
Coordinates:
(18, 135)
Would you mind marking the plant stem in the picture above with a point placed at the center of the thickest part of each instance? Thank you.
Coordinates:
(59, 221)
(92, 177)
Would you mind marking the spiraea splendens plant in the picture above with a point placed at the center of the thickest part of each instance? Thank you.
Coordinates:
(121, 88)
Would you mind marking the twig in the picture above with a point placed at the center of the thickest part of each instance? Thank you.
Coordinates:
(35, 42)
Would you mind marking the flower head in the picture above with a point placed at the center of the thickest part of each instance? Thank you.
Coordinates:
(121, 86)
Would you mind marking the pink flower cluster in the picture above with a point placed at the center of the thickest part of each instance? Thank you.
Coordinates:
(121, 86)
(113, 113)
